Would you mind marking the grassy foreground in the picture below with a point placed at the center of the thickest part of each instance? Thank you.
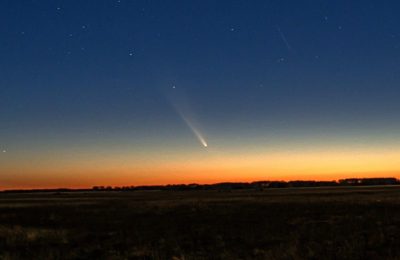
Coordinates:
(308, 223)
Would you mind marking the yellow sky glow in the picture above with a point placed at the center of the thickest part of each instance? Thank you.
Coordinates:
(122, 169)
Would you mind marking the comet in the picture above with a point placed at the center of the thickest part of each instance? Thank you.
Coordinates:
(195, 131)
(181, 104)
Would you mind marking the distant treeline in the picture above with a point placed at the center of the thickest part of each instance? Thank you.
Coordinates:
(257, 185)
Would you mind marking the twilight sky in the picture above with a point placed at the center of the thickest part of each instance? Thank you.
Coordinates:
(119, 92)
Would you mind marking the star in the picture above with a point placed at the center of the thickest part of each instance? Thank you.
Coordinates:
(173, 86)
(4, 151)
(232, 29)
(131, 54)
(281, 59)
(83, 26)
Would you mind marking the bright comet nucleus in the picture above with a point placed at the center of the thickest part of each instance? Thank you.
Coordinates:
(196, 132)
(179, 102)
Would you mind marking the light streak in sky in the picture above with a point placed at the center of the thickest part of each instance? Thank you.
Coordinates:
(196, 132)
(180, 102)
(283, 37)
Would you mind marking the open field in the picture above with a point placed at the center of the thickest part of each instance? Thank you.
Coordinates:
(298, 223)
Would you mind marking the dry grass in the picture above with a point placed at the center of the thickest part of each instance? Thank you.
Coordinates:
(330, 223)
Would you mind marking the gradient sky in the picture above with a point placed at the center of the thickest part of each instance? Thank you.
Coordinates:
(118, 92)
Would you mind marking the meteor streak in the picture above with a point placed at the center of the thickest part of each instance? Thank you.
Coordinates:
(283, 37)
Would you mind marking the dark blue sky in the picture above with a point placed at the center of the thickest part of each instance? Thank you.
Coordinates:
(78, 69)
(77, 60)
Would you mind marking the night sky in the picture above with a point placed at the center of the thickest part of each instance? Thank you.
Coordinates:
(153, 92)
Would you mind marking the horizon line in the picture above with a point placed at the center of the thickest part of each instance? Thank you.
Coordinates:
(201, 184)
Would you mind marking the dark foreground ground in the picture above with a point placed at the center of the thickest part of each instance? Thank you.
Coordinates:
(312, 223)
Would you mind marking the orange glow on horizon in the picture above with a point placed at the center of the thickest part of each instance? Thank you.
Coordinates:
(212, 168)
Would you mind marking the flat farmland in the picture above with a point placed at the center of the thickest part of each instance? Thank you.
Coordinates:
(288, 223)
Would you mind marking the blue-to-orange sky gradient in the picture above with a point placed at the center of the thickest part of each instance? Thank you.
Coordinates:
(119, 92)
